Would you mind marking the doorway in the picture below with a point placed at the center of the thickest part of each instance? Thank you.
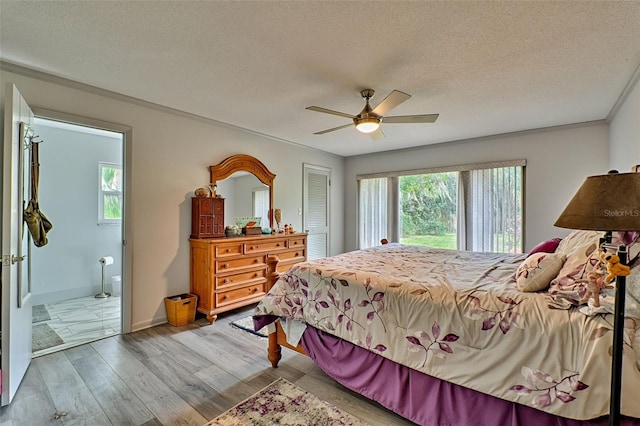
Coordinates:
(76, 279)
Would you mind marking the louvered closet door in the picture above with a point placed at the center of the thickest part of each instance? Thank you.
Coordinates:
(317, 181)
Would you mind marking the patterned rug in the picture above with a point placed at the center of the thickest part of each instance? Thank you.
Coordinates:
(44, 337)
(285, 404)
(246, 324)
(40, 314)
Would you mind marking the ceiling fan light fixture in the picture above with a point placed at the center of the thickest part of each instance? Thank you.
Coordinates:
(367, 125)
(369, 119)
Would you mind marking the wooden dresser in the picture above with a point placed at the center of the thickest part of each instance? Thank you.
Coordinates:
(227, 273)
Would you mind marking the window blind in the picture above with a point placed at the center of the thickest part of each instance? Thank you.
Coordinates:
(373, 222)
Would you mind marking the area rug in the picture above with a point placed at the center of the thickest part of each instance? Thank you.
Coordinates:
(43, 337)
(285, 404)
(246, 324)
(40, 314)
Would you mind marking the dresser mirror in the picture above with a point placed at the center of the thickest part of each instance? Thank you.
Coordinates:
(247, 186)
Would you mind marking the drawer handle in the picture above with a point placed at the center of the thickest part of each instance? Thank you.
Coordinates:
(278, 245)
(295, 242)
(297, 254)
(225, 297)
(256, 261)
(228, 250)
(226, 280)
(226, 265)
(256, 274)
(253, 290)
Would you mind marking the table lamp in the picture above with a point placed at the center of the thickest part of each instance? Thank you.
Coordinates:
(609, 203)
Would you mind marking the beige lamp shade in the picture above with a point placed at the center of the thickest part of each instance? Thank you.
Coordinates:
(608, 202)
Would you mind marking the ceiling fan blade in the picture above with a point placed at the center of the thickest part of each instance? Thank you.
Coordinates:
(423, 118)
(377, 135)
(330, 111)
(392, 100)
(335, 128)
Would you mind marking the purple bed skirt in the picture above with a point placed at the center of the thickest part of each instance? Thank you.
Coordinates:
(418, 397)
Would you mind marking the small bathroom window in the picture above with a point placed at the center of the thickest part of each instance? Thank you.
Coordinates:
(109, 193)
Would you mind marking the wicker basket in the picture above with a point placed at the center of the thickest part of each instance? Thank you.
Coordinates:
(181, 309)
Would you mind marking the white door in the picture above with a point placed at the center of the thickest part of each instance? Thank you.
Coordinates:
(315, 220)
(16, 301)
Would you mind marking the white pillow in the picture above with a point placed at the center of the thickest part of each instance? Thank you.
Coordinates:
(578, 239)
(537, 271)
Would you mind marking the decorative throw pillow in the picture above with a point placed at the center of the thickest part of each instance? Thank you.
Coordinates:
(537, 271)
(548, 246)
(578, 264)
(577, 240)
(568, 287)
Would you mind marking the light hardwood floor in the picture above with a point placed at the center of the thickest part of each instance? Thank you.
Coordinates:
(168, 376)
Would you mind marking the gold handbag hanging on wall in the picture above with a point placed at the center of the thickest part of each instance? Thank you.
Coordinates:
(35, 219)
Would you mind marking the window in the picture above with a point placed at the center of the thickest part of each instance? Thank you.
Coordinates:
(493, 209)
(474, 207)
(110, 193)
(428, 208)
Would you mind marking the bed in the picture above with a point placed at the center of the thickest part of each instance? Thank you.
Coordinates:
(449, 337)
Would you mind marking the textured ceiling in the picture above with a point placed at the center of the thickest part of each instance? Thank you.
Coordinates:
(487, 67)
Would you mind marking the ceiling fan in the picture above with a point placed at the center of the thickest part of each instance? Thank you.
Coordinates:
(369, 119)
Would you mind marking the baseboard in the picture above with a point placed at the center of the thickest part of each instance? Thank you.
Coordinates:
(141, 325)
(73, 293)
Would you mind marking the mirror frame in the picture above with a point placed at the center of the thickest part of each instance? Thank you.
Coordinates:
(245, 163)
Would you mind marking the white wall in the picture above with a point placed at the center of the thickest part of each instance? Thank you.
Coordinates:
(67, 267)
(170, 158)
(558, 160)
(624, 132)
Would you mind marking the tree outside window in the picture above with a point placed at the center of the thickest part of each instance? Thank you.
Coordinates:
(428, 209)
(110, 194)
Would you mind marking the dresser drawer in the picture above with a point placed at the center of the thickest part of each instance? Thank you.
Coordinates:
(240, 278)
(285, 266)
(265, 246)
(227, 297)
(228, 249)
(297, 241)
(292, 254)
(224, 265)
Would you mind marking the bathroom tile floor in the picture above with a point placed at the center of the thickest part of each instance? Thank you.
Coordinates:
(83, 320)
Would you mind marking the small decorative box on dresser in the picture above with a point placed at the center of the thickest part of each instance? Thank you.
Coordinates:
(207, 217)
(227, 273)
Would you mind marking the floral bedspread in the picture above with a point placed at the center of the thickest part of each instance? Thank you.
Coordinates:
(458, 316)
